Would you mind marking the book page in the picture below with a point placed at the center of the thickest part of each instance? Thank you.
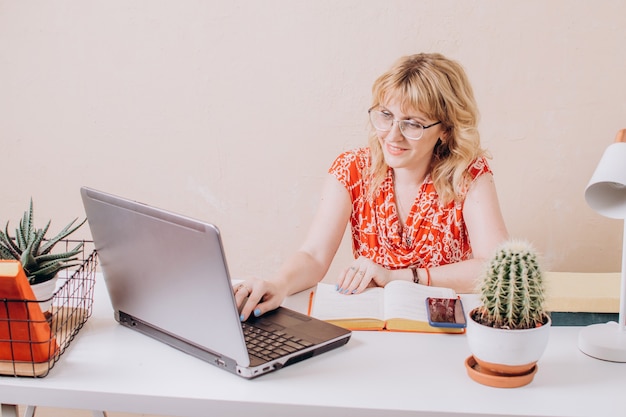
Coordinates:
(329, 304)
(407, 300)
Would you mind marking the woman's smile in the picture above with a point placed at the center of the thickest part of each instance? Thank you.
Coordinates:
(393, 149)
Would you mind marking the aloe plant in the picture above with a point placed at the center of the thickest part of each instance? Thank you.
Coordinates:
(512, 288)
(31, 247)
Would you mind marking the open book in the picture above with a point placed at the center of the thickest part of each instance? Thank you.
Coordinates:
(399, 306)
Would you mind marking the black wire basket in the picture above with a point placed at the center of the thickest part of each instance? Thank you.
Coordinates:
(31, 344)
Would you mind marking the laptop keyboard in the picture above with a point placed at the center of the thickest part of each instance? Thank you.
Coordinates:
(267, 345)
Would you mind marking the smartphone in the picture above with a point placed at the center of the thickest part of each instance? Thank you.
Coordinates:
(445, 312)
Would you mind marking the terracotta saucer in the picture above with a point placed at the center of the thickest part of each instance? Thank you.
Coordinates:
(494, 379)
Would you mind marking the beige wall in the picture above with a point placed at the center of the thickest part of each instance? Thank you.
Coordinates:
(232, 111)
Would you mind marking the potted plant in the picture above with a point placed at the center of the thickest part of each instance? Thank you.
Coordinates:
(508, 332)
(31, 247)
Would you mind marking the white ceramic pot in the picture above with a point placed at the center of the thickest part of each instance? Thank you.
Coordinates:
(516, 350)
(44, 292)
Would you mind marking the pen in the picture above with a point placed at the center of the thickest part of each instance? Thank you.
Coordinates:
(310, 303)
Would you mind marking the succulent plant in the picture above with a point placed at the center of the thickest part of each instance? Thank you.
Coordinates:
(512, 288)
(31, 247)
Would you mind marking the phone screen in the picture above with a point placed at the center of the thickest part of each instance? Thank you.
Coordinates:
(445, 312)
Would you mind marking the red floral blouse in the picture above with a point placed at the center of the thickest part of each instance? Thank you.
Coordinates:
(433, 234)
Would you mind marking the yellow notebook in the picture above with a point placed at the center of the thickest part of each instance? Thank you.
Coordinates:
(400, 306)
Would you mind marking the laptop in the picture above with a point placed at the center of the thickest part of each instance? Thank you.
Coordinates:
(167, 277)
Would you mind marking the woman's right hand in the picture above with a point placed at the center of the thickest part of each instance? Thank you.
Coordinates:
(257, 296)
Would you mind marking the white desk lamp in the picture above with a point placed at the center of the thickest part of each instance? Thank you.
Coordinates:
(606, 194)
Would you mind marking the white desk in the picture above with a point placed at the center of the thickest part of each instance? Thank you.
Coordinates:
(108, 367)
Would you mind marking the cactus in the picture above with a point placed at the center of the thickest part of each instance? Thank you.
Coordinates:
(30, 247)
(512, 289)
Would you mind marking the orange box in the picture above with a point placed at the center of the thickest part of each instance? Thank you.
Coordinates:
(25, 334)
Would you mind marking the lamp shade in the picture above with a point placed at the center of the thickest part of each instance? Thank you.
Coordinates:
(606, 191)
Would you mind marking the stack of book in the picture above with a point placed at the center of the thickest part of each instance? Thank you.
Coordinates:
(582, 298)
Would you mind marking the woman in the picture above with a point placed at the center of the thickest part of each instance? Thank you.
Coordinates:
(420, 200)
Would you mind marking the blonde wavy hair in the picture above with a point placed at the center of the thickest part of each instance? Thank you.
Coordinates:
(439, 88)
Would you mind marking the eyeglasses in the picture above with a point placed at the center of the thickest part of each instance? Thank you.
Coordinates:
(383, 121)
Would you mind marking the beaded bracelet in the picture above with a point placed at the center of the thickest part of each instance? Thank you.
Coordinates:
(416, 278)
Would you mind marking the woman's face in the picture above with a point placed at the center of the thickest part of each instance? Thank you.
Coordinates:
(400, 152)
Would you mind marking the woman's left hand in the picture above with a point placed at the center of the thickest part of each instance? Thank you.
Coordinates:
(361, 274)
